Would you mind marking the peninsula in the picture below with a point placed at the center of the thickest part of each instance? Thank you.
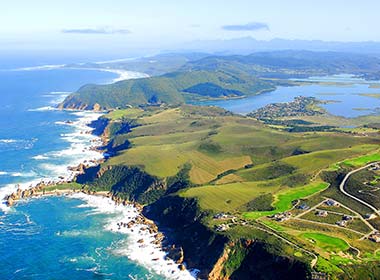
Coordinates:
(242, 197)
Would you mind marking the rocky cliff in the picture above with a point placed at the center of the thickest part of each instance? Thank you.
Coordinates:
(217, 256)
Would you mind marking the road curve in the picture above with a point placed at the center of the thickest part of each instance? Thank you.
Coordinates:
(343, 183)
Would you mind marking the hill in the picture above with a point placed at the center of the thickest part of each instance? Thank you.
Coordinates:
(219, 77)
(291, 63)
(224, 183)
(153, 65)
(174, 89)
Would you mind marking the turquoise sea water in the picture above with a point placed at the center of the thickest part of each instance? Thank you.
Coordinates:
(56, 238)
(32, 136)
(63, 238)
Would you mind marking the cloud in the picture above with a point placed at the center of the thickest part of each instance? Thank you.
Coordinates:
(252, 26)
(95, 31)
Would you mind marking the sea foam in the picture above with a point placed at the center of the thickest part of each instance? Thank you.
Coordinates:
(8, 141)
(146, 254)
(40, 157)
(43, 109)
(79, 151)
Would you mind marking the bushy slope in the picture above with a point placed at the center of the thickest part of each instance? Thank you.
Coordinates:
(306, 62)
(174, 88)
(218, 77)
(188, 163)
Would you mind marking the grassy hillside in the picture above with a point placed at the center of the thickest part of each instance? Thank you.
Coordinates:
(174, 88)
(293, 63)
(226, 163)
(222, 162)
(187, 79)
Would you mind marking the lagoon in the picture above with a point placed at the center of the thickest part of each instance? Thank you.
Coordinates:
(344, 94)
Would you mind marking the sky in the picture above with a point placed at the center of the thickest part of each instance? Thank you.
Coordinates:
(150, 24)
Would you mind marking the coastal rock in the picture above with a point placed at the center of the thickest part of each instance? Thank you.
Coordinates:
(97, 107)
(80, 168)
(19, 193)
(176, 254)
(156, 242)
(10, 201)
(181, 267)
(159, 236)
(25, 194)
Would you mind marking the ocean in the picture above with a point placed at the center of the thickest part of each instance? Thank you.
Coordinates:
(72, 237)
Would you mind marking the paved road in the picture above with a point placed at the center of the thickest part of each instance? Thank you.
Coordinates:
(343, 183)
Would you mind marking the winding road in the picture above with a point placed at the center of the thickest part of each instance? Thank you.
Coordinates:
(343, 183)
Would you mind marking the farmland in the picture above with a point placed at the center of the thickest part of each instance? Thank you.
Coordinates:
(272, 182)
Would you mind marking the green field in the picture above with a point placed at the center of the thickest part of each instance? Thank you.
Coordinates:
(227, 198)
(363, 160)
(326, 242)
(285, 198)
(65, 186)
(313, 162)
(238, 165)
(327, 267)
(119, 114)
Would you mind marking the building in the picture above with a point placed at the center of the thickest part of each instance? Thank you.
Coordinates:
(375, 167)
(374, 237)
(369, 216)
(342, 223)
(303, 206)
(322, 213)
(222, 227)
(281, 217)
(331, 202)
(347, 218)
(222, 216)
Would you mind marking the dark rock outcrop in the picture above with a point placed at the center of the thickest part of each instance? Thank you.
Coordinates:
(217, 256)
(260, 264)
(180, 219)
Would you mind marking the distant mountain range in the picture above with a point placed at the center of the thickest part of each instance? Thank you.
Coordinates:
(247, 45)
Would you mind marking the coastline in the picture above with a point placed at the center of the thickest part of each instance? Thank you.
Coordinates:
(145, 243)
(123, 74)
(82, 150)
(82, 128)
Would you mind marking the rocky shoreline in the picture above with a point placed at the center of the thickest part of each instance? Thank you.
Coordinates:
(143, 224)
(140, 222)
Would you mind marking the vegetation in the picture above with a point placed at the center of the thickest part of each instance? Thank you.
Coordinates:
(65, 186)
(193, 77)
(327, 242)
(261, 203)
(174, 88)
(360, 161)
(190, 163)
(285, 198)
(205, 161)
